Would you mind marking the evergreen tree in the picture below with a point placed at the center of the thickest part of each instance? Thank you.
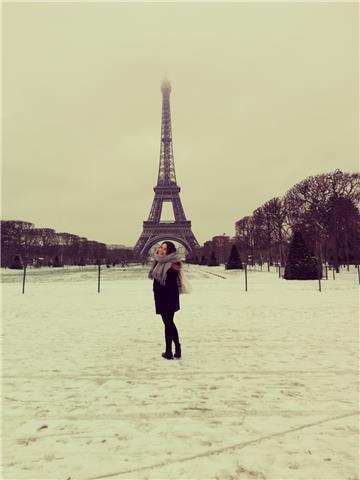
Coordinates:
(301, 263)
(56, 262)
(16, 263)
(203, 260)
(213, 261)
(234, 259)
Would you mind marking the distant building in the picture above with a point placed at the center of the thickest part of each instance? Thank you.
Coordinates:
(118, 246)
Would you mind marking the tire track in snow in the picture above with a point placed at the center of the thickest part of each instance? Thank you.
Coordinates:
(211, 273)
(122, 376)
(224, 449)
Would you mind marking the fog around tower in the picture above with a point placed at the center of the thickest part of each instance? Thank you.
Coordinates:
(262, 96)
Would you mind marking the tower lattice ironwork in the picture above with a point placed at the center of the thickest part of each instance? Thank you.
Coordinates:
(166, 190)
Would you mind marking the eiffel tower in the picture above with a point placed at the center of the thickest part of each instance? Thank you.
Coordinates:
(166, 190)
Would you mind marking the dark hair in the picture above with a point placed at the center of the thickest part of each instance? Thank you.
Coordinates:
(170, 247)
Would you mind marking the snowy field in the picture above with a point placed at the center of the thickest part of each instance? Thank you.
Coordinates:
(267, 387)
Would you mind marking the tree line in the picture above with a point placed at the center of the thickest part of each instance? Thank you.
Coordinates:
(324, 208)
(23, 244)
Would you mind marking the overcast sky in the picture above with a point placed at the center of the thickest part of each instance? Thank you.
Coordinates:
(263, 95)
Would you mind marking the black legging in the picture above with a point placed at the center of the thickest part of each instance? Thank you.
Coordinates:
(171, 332)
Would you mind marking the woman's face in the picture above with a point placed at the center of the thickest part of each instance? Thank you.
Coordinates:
(163, 249)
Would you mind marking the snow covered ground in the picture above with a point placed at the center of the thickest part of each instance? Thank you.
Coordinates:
(267, 387)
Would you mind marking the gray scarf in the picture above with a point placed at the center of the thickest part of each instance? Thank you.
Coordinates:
(161, 265)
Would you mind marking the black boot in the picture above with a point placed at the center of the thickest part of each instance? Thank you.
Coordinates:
(177, 353)
(167, 355)
(168, 342)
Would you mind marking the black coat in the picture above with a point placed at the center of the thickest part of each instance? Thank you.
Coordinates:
(167, 297)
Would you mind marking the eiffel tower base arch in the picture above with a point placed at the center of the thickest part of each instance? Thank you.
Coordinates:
(158, 232)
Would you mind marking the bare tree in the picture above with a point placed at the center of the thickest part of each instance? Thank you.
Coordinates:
(15, 240)
(245, 236)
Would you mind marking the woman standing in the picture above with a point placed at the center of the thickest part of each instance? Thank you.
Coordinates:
(167, 280)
